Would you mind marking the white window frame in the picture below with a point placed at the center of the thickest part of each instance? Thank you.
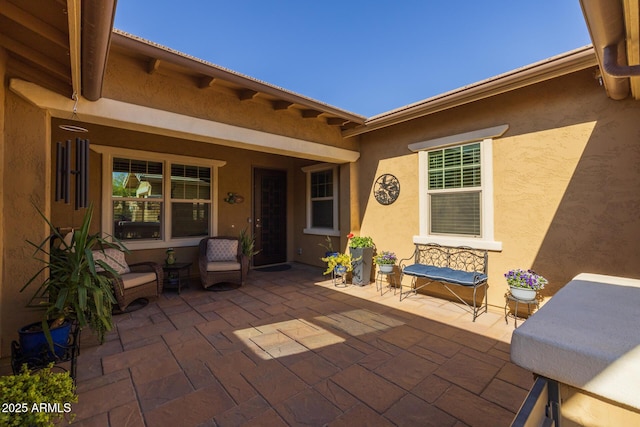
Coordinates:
(109, 153)
(486, 239)
(335, 231)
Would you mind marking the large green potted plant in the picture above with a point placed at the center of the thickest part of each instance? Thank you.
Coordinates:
(41, 398)
(73, 289)
(361, 248)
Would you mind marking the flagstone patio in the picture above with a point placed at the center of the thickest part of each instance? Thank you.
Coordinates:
(289, 348)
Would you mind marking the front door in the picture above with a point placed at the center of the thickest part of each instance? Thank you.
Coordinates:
(270, 216)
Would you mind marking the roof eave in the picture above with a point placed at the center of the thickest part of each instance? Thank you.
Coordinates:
(556, 66)
(162, 53)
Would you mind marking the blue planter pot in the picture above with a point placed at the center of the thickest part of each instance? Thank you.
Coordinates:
(34, 343)
(340, 270)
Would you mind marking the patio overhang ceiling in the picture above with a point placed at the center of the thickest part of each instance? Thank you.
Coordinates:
(60, 45)
(123, 115)
(614, 27)
(63, 46)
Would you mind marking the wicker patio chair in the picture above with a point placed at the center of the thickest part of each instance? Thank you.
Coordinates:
(138, 281)
(221, 260)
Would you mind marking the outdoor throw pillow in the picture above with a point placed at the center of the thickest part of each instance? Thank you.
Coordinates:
(222, 250)
(113, 258)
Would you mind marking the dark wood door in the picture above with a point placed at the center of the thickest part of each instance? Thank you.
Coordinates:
(270, 216)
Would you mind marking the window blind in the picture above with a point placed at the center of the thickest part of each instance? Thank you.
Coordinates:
(455, 213)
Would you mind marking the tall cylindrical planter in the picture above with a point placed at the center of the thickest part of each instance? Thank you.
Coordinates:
(361, 273)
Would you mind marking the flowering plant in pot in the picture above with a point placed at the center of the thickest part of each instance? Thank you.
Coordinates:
(340, 263)
(386, 260)
(525, 284)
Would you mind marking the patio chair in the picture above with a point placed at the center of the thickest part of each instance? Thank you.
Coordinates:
(139, 281)
(221, 260)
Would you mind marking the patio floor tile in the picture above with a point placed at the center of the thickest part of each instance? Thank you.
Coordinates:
(308, 408)
(412, 411)
(368, 387)
(288, 348)
(467, 372)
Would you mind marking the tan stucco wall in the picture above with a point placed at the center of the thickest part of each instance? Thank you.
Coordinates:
(580, 409)
(3, 92)
(127, 80)
(26, 153)
(565, 180)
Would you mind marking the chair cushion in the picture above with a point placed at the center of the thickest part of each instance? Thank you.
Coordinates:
(113, 258)
(68, 240)
(445, 274)
(222, 250)
(223, 266)
(131, 280)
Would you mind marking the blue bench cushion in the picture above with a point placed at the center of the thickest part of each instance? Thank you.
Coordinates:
(445, 274)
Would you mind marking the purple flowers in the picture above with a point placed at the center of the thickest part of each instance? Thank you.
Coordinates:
(527, 279)
(386, 257)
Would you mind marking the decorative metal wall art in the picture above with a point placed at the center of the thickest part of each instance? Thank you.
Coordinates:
(386, 189)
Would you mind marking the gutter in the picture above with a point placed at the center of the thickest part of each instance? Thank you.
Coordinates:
(97, 25)
(576, 60)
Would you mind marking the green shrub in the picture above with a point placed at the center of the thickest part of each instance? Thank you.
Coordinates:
(40, 398)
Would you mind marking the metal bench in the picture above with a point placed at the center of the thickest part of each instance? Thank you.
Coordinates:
(459, 266)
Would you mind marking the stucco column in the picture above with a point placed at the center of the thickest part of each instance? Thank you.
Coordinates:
(26, 174)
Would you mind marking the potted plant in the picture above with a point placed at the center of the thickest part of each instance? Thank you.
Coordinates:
(248, 249)
(328, 247)
(74, 290)
(339, 263)
(385, 261)
(361, 247)
(524, 284)
(41, 398)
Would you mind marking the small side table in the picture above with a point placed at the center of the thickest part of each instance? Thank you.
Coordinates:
(176, 275)
(384, 276)
(510, 298)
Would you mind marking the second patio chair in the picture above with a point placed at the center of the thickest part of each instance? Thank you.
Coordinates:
(221, 261)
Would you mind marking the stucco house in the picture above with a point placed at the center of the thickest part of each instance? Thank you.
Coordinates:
(550, 177)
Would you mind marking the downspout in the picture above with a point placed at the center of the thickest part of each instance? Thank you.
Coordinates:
(605, 22)
(611, 65)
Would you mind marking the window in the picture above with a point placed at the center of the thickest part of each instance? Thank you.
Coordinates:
(456, 189)
(157, 200)
(322, 199)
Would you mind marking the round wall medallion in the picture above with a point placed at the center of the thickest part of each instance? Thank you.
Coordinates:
(386, 189)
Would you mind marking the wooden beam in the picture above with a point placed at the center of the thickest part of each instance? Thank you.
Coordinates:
(26, 52)
(310, 114)
(153, 66)
(27, 20)
(336, 121)
(246, 94)
(349, 125)
(206, 82)
(281, 105)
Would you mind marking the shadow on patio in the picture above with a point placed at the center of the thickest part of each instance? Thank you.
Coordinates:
(289, 348)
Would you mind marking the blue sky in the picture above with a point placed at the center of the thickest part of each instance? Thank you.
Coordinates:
(367, 57)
